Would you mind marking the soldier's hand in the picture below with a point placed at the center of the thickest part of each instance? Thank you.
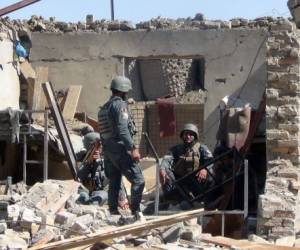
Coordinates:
(135, 154)
(163, 177)
(201, 175)
(96, 155)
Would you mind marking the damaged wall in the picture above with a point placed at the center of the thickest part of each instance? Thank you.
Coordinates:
(92, 59)
(9, 79)
(279, 206)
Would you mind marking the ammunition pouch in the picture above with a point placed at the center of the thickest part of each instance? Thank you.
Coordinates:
(105, 124)
(188, 162)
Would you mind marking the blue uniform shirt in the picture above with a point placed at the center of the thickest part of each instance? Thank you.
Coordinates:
(121, 121)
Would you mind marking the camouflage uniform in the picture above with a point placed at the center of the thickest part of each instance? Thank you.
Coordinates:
(117, 141)
(173, 167)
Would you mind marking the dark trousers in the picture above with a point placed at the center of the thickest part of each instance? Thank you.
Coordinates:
(189, 185)
(117, 164)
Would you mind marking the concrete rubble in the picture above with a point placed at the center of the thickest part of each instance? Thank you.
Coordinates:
(39, 24)
(37, 218)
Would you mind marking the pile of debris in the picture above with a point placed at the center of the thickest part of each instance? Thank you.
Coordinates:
(39, 24)
(48, 216)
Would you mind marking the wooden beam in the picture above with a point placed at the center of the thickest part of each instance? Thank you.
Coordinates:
(30, 77)
(135, 228)
(71, 102)
(61, 128)
(39, 100)
(16, 6)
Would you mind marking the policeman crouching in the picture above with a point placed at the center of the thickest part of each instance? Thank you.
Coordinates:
(91, 174)
(181, 160)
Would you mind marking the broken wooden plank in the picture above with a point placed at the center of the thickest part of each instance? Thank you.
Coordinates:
(244, 244)
(29, 76)
(39, 99)
(121, 231)
(61, 128)
(27, 71)
(71, 102)
(16, 6)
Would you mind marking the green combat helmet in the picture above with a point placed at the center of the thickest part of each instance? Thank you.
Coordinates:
(121, 83)
(190, 127)
(90, 138)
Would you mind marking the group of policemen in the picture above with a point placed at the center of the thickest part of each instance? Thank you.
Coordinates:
(121, 156)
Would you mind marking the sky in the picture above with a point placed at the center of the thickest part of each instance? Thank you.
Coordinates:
(143, 10)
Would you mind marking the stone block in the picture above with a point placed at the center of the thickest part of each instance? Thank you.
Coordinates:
(283, 25)
(288, 110)
(272, 93)
(191, 233)
(12, 242)
(225, 24)
(235, 23)
(91, 210)
(13, 212)
(85, 219)
(28, 217)
(284, 213)
(273, 134)
(210, 24)
(172, 234)
(286, 241)
(292, 128)
(283, 150)
(43, 235)
(257, 239)
(288, 223)
(79, 228)
(64, 217)
(288, 143)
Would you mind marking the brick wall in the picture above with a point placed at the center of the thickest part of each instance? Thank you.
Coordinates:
(278, 206)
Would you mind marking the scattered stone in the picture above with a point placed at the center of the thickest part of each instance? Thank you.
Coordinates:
(172, 234)
(286, 241)
(257, 239)
(191, 233)
(28, 217)
(85, 219)
(64, 217)
(12, 242)
(13, 212)
(79, 228)
(43, 235)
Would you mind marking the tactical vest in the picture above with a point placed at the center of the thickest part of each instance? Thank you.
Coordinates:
(188, 162)
(105, 124)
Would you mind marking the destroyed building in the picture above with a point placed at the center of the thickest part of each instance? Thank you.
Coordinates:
(193, 62)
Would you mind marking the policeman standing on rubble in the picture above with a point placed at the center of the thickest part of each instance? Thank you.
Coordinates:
(183, 159)
(121, 157)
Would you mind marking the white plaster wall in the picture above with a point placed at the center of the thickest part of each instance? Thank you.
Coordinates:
(9, 79)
